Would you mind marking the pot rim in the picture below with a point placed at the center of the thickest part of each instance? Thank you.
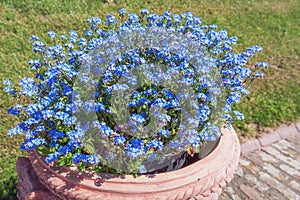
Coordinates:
(222, 156)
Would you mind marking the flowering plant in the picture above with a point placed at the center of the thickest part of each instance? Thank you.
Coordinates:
(132, 91)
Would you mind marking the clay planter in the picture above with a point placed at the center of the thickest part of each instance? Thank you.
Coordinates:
(203, 179)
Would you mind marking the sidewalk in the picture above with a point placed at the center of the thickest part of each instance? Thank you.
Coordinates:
(269, 168)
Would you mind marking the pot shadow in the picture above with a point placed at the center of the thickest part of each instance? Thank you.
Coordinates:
(78, 176)
(187, 159)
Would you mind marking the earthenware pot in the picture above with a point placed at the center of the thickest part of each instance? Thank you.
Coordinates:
(204, 179)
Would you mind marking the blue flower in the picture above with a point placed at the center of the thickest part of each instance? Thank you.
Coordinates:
(144, 11)
(104, 129)
(32, 109)
(168, 93)
(39, 76)
(47, 114)
(63, 37)
(73, 36)
(155, 144)
(55, 135)
(9, 90)
(32, 121)
(92, 159)
(171, 104)
(144, 101)
(164, 132)
(15, 110)
(19, 129)
(159, 102)
(63, 150)
(52, 34)
(40, 129)
(135, 148)
(203, 113)
(70, 121)
(99, 107)
(119, 140)
(122, 11)
(143, 169)
(133, 18)
(138, 118)
(238, 115)
(52, 157)
(259, 74)
(29, 87)
(32, 143)
(7, 82)
(34, 38)
(88, 33)
(133, 103)
(152, 91)
(110, 19)
(61, 115)
(94, 22)
(82, 42)
(162, 117)
(234, 97)
(132, 80)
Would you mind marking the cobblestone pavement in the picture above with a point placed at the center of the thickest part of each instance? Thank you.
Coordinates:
(272, 172)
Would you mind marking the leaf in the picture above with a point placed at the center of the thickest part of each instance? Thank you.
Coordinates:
(113, 109)
(61, 161)
(42, 150)
(69, 155)
(89, 146)
(69, 162)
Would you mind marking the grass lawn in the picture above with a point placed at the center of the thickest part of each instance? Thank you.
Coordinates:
(274, 25)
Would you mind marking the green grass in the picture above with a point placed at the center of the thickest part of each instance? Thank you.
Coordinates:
(272, 24)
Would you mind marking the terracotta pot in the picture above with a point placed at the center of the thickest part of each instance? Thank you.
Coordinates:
(203, 179)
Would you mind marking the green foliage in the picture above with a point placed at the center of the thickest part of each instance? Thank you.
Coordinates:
(65, 160)
(271, 24)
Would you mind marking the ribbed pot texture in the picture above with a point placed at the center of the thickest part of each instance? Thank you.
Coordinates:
(203, 179)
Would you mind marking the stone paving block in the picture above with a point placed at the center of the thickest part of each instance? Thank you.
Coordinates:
(287, 131)
(253, 168)
(284, 145)
(224, 196)
(250, 192)
(294, 184)
(244, 162)
(294, 139)
(291, 171)
(268, 179)
(261, 187)
(275, 172)
(231, 193)
(254, 164)
(239, 171)
(296, 143)
(286, 151)
(250, 146)
(267, 157)
(294, 163)
(279, 186)
(268, 139)
(290, 149)
(274, 194)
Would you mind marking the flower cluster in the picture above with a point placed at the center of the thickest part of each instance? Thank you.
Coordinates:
(200, 57)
